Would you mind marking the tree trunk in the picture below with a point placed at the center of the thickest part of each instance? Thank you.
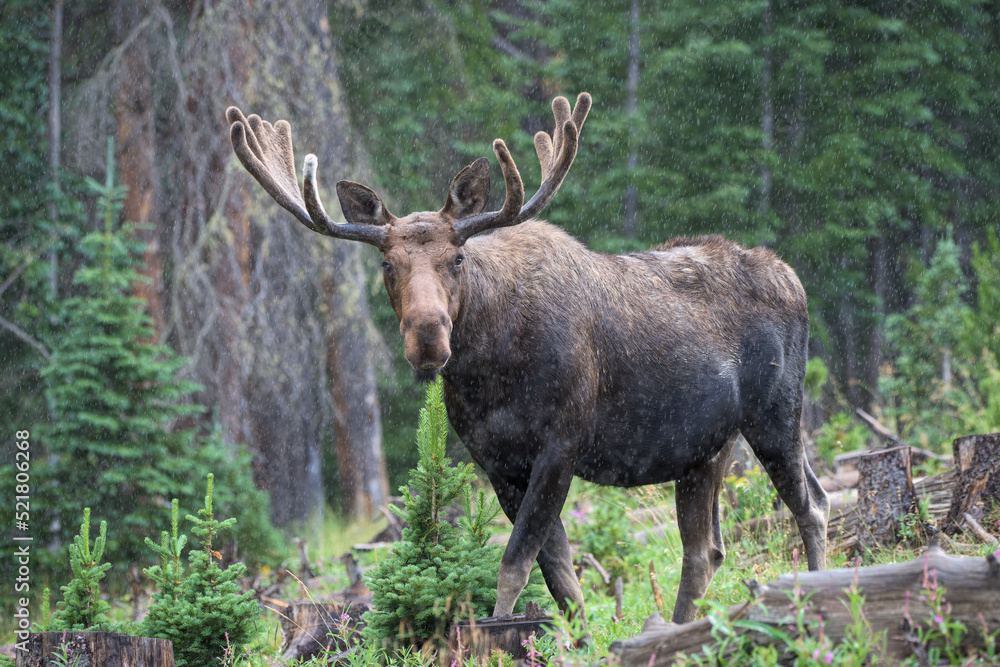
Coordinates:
(55, 132)
(766, 114)
(631, 108)
(364, 483)
(977, 488)
(313, 627)
(478, 639)
(95, 649)
(249, 305)
(136, 149)
(876, 336)
(885, 495)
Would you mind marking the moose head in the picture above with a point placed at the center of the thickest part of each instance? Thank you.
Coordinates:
(421, 252)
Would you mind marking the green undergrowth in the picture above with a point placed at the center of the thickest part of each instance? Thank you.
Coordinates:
(602, 522)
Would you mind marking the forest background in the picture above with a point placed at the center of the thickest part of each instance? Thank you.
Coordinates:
(161, 318)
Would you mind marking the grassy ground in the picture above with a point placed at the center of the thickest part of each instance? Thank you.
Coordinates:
(604, 521)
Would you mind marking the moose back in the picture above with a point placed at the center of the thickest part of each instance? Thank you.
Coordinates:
(559, 361)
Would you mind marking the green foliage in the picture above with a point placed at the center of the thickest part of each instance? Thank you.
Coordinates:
(437, 572)
(841, 433)
(82, 607)
(944, 374)
(115, 441)
(817, 375)
(599, 525)
(845, 136)
(29, 236)
(749, 496)
(204, 612)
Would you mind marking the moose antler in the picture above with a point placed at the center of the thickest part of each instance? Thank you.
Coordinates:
(555, 155)
(266, 152)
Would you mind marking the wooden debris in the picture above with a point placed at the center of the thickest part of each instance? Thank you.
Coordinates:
(879, 430)
(655, 585)
(891, 592)
(885, 495)
(313, 627)
(977, 458)
(479, 638)
(355, 575)
(979, 531)
(107, 649)
(619, 595)
(305, 567)
(847, 479)
(588, 559)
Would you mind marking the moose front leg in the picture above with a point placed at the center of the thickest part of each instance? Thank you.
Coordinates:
(538, 534)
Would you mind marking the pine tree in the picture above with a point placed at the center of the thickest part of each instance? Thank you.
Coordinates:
(205, 611)
(438, 573)
(113, 394)
(82, 607)
(924, 385)
(114, 441)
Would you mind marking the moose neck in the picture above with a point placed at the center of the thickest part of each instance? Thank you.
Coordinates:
(504, 273)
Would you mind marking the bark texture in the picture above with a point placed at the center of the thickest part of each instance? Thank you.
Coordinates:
(135, 147)
(95, 649)
(885, 495)
(251, 297)
(977, 488)
(313, 627)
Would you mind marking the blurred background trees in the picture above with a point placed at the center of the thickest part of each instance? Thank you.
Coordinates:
(857, 139)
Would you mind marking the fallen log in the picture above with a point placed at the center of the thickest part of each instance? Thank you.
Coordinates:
(893, 594)
(108, 649)
(879, 430)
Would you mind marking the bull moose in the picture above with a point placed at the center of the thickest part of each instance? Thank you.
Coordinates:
(559, 361)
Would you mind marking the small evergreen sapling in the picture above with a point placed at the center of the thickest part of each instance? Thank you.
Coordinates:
(438, 573)
(82, 607)
(206, 611)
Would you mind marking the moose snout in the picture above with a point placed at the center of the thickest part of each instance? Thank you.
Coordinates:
(427, 340)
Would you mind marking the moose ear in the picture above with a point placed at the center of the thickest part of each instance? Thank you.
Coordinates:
(361, 206)
(470, 191)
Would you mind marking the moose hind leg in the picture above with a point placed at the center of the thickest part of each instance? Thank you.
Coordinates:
(775, 439)
(697, 498)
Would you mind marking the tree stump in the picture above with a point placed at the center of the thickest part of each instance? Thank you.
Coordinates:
(479, 638)
(977, 487)
(885, 495)
(311, 628)
(95, 649)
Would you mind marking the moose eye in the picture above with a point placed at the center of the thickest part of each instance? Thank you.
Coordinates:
(458, 261)
(387, 267)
